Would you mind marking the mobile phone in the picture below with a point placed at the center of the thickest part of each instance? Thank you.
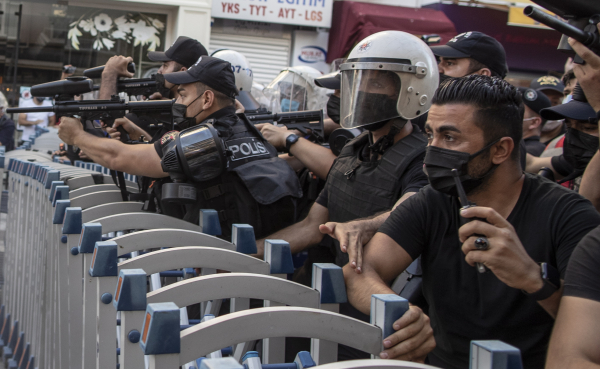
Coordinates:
(481, 243)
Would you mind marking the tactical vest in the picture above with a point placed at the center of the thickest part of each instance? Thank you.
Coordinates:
(258, 187)
(358, 189)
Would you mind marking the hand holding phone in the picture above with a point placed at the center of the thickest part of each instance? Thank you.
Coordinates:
(481, 243)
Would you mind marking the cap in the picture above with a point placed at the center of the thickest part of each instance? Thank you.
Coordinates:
(213, 72)
(548, 83)
(578, 109)
(184, 51)
(332, 81)
(476, 45)
(535, 100)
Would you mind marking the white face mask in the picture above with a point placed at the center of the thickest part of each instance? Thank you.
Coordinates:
(567, 99)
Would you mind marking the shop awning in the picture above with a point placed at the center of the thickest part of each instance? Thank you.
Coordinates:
(353, 21)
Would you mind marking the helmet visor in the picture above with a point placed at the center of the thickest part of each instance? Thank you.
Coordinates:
(287, 92)
(368, 96)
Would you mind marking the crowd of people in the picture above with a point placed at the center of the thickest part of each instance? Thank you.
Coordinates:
(517, 260)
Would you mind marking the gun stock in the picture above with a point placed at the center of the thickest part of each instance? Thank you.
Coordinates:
(302, 121)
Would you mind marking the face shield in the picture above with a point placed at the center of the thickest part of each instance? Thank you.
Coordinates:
(368, 95)
(288, 93)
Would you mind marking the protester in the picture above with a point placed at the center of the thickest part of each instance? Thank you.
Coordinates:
(7, 127)
(532, 122)
(525, 224)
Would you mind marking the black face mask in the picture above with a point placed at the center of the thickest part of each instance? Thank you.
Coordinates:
(440, 162)
(579, 148)
(444, 77)
(333, 108)
(374, 105)
(179, 115)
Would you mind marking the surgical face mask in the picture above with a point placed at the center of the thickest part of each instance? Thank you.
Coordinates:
(439, 163)
(179, 115)
(288, 105)
(579, 148)
(373, 105)
(567, 99)
(333, 108)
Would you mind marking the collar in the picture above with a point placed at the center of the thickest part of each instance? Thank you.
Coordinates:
(532, 138)
(228, 110)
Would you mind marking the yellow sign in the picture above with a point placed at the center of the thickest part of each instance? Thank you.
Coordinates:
(517, 18)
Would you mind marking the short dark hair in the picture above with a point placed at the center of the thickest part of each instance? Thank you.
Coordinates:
(499, 105)
(474, 66)
(568, 76)
(221, 99)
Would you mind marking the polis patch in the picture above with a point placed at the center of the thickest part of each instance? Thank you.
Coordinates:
(246, 147)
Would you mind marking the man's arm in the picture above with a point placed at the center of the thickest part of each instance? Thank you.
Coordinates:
(52, 120)
(353, 235)
(115, 67)
(316, 158)
(24, 122)
(574, 341)
(133, 159)
(384, 260)
(302, 234)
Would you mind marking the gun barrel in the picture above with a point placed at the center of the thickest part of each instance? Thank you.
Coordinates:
(96, 72)
(562, 27)
(36, 109)
(308, 115)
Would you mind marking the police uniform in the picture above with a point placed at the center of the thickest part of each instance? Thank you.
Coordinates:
(254, 185)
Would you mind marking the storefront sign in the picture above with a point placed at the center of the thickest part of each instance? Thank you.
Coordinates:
(310, 49)
(314, 13)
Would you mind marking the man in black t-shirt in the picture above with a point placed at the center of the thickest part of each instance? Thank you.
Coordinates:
(522, 216)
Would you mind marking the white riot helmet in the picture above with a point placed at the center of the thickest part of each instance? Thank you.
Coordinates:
(294, 89)
(243, 76)
(387, 75)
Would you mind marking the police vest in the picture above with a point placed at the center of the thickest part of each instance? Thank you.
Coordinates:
(358, 189)
(258, 187)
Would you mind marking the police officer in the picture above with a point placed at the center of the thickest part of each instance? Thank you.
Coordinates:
(252, 185)
(550, 86)
(533, 123)
(389, 79)
(243, 77)
(179, 57)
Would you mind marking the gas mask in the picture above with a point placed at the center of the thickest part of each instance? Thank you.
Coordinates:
(288, 105)
(196, 154)
(440, 162)
(579, 148)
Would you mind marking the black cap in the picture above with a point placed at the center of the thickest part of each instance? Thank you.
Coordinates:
(577, 109)
(534, 100)
(213, 72)
(548, 83)
(332, 81)
(478, 46)
(184, 51)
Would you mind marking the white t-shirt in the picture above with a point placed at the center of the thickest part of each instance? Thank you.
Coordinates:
(32, 117)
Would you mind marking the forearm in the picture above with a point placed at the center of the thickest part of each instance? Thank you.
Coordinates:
(329, 126)
(292, 162)
(101, 150)
(25, 122)
(534, 164)
(589, 183)
(108, 87)
(300, 236)
(360, 287)
(551, 303)
(316, 158)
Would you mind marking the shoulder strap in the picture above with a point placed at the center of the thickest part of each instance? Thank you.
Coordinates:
(350, 148)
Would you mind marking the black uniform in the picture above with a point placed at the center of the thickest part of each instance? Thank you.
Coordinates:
(257, 188)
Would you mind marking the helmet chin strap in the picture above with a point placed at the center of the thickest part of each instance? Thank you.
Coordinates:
(386, 141)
